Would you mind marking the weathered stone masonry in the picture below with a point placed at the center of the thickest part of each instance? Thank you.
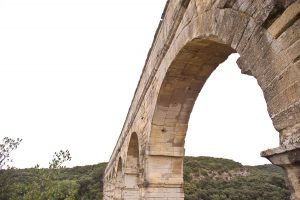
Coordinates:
(193, 38)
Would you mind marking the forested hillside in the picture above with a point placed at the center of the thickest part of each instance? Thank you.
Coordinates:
(205, 178)
(221, 179)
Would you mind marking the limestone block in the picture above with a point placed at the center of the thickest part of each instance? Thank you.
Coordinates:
(285, 20)
(193, 38)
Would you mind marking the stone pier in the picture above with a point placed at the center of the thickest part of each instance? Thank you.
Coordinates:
(192, 39)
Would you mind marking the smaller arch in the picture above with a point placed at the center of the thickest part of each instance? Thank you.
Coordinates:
(131, 173)
(119, 167)
(114, 173)
(133, 152)
(118, 180)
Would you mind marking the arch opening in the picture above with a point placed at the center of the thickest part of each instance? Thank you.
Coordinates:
(119, 168)
(178, 92)
(183, 81)
(230, 118)
(131, 178)
(132, 161)
(118, 181)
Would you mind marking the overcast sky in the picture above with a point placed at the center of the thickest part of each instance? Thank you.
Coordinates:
(68, 72)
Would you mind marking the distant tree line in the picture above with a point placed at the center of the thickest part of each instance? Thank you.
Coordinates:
(205, 178)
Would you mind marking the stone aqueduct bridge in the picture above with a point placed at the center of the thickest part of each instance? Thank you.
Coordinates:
(193, 38)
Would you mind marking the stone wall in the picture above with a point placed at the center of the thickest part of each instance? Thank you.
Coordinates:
(193, 38)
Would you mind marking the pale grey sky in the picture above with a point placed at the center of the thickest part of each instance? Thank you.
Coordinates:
(68, 72)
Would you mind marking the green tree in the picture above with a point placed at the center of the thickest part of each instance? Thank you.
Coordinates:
(45, 185)
(6, 147)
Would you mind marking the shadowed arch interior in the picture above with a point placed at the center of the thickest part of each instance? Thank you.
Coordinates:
(132, 160)
(180, 88)
(117, 187)
(178, 93)
(131, 190)
(119, 167)
(192, 39)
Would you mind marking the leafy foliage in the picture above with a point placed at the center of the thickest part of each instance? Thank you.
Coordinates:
(221, 179)
(44, 185)
(205, 179)
(82, 183)
(6, 147)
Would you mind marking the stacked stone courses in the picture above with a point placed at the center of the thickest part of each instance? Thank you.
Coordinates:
(192, 39)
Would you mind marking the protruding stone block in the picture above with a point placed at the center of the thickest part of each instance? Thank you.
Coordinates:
(285, 20)
(192, 39)
(288, 158)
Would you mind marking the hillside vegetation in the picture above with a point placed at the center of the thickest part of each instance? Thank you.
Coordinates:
(205, 178)
(222, 179)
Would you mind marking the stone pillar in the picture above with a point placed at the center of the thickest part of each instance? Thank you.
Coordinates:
(131, 189)
(118, 185)
(163, 177)
(288, 158)
(162, 191)
(108, 190)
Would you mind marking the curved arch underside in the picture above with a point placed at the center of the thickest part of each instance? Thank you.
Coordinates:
(132, 160)
(131, 173)
(183, 81)
(193, 38)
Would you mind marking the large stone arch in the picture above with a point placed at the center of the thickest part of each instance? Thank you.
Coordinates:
(178, 93)
(193, 38)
